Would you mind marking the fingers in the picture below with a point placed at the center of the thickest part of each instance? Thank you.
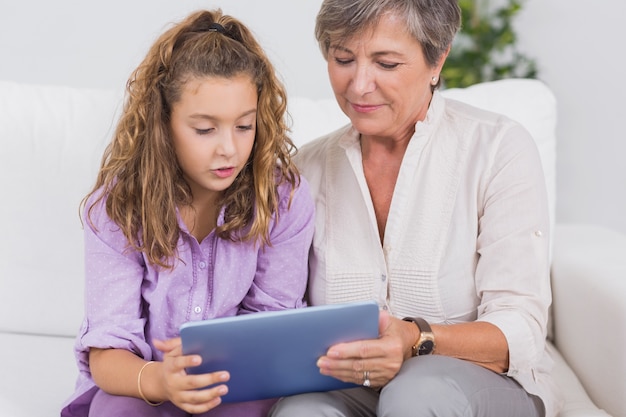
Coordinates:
(377, 375)
(201, 381)
(194, 394)
(195, 400)
(348, 361)
(360, 349)
(381, 358)
(198, 402)
(379, 371)
(173, 358)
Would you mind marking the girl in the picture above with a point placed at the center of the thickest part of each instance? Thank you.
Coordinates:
(197, 213)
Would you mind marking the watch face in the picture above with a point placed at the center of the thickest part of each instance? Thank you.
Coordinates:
(426, 347)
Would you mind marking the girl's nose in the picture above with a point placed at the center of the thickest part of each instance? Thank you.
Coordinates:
(226, 145)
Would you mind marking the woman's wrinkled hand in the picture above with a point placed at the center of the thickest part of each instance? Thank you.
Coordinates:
(187, 391)
(377, 359)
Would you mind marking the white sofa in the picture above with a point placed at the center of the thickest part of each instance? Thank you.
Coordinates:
(51, 141)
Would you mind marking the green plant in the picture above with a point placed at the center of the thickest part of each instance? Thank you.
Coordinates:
(485, 48)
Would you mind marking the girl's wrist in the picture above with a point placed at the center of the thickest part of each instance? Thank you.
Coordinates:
(148, 373)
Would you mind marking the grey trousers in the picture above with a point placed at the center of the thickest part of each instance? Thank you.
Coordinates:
(425, 386)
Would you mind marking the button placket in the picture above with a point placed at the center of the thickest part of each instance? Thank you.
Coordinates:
(201, 267)
(197, 300)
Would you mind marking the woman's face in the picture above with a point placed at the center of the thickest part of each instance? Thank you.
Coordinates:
(381, 80)
(213, 128)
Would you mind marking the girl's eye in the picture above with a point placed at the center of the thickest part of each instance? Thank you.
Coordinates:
(245, 127)
(203, 131)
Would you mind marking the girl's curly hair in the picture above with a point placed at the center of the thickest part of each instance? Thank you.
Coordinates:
(140, 176)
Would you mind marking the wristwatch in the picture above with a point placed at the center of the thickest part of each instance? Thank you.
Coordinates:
(425, 345)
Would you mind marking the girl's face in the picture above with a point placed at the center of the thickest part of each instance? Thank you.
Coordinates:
(213, 128)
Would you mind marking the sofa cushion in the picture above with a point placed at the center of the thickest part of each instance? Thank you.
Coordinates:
(38, 374)
(589, 287)
(52, 142)
(576, 402)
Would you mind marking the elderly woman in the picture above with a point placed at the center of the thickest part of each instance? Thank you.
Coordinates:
(438, 211)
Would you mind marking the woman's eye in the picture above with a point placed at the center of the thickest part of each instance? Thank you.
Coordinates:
(245, 127)
(385, 65)
(203, 131)
(343, 61)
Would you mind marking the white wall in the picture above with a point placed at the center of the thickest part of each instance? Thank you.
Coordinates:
(98, 44)
(580, 48)
(577, 45)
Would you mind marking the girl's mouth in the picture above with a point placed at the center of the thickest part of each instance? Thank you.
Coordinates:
(224, 172)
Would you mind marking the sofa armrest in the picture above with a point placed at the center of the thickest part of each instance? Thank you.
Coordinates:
(589, 289)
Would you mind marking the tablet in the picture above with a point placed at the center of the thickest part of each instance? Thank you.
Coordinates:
(274, 354)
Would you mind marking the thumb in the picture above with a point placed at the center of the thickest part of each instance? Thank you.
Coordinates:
(384, 322)
(171, 346)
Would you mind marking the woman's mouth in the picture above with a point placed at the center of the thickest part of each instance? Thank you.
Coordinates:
(364, 108)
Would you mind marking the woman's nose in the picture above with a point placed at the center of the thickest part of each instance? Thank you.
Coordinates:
(363, 81)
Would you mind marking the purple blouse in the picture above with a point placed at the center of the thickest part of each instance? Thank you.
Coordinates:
(129, 302)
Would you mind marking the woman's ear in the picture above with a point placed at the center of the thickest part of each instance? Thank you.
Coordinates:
(442, 60)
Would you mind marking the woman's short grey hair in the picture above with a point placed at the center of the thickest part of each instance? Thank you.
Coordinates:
(433, 23)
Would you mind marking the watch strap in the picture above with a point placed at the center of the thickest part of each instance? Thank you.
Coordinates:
(425, 345)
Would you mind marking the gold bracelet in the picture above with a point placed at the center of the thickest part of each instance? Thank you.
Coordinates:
(143, 397)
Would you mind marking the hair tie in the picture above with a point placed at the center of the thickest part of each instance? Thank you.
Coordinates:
(216, 27)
